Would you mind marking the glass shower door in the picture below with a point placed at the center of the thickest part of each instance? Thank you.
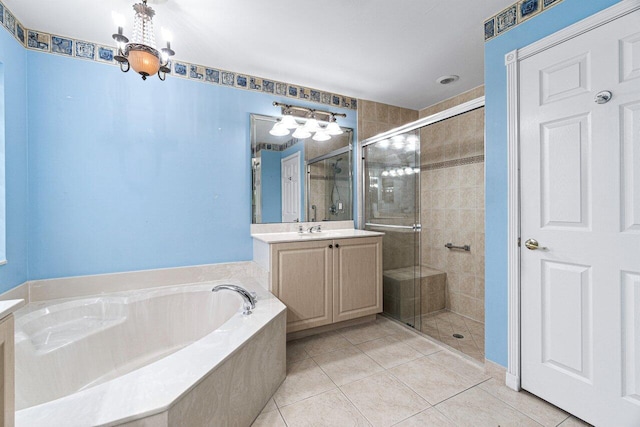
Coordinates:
(392, 206)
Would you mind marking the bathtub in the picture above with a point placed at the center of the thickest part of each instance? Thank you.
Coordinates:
(178, 355)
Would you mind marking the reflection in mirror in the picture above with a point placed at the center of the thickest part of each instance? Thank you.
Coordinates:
(329, 187)
(297, 180)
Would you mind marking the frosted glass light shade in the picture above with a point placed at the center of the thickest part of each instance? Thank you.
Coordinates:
(321, 136)
(143, 62)
(301, 133)
(289, 122)
(312, 125)
(279, 130)
(333, 129)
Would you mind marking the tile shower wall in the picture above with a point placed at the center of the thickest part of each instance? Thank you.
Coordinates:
(375, 117)
(452, 203)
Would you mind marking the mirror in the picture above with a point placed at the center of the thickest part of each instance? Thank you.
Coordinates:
(299, 180)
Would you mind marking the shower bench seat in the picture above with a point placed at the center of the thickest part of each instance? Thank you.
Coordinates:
(402, 301)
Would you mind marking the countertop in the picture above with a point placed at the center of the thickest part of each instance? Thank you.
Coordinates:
(9, 306)
(322, 235)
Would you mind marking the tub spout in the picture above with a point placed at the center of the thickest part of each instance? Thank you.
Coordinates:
(250, 298)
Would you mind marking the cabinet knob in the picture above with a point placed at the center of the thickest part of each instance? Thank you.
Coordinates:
(337, 245)
(330, 246)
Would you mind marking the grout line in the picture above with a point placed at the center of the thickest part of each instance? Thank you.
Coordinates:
(308, 397)
(443, 414)
(282, 417)
(560, 423)
(355, 406)
(533, 396)
(460, 392)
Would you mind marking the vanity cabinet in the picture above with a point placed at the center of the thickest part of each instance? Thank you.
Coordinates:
(327, 281)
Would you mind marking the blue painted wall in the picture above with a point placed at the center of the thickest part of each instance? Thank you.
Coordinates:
(132, 175)
(271, 186)
(562, 15)
(14, 68)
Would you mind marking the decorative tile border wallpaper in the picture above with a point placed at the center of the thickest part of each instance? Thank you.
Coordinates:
(514, 15)
(274, 147)
(66, 46)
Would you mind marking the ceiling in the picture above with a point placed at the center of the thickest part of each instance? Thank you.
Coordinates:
(380, 50)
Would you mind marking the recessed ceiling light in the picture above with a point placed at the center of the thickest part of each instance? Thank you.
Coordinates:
(445, 80)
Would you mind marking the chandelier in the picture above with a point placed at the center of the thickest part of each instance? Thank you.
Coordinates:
(289, 123)
(141, 53)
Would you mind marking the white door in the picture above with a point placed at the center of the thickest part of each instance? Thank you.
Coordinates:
(291, 188)
(580, 199)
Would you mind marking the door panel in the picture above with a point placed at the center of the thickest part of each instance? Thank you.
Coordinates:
(302, 273)
(357, 279)
(631, 167)
(631, 336)
(566, 79)
(630, 57)
(567, 343)
(392, 206)
(566, 172)
(580, 174)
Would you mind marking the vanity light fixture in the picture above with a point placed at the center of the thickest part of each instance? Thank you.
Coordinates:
(141, 53)
(333, 128)
(313, 123)
(321, 135)
(301, 133)
(279, 129)
(288, 120)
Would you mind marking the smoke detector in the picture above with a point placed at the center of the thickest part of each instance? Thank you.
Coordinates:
(445, 80)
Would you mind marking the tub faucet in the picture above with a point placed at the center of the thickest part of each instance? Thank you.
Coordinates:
(250, 298)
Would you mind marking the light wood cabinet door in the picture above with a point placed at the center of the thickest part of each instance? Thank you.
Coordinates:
(302, 280)
(357, 278)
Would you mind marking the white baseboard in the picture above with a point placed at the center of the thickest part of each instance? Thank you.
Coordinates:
(512, 381)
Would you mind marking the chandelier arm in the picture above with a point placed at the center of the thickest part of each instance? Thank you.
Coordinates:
(122, 66)
(161, 75)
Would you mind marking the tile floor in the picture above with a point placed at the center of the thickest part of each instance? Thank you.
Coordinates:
(383, 374)
(442, 325)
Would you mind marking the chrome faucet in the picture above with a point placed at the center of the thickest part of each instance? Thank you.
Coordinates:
(250, 298)
(317, 228)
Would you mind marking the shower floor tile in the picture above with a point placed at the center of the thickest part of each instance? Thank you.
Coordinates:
(443, 325)
(436, 387)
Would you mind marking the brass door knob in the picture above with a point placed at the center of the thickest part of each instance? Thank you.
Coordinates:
(532, 245)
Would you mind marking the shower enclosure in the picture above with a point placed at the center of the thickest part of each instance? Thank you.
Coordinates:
(423, 186)
(329, 187)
